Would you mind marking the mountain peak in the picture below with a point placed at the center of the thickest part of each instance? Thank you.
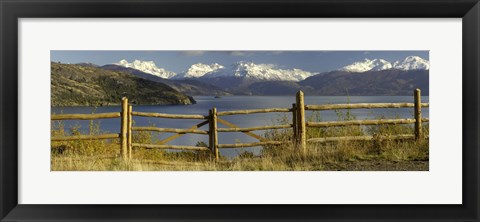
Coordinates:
(412, 63)
(147, 67)
(198, 70)
(269, 72)
(367, 65)
(122, 62)
(409, 63)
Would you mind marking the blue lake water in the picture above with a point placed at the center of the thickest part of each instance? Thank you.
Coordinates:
(226, 103)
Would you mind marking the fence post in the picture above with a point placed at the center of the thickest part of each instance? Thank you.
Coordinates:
(294, 123)
(418, 114)
(212, 132)
(124, 128)
(301, 128)
(129, 132)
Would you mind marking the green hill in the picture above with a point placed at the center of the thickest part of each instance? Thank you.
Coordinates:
(77, 85)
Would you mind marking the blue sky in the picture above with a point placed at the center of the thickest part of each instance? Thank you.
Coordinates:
(179, 61)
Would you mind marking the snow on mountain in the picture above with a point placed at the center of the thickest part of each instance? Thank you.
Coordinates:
(268, 72)
(368, 65)
(198, 70)
(411, 63)
(147, 67)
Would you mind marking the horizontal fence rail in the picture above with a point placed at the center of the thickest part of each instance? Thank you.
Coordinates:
(84, 116)
(170, 130)
(171, 116)
(254, 128)
(154, 146)
(87, 137)
(361, 122)
(253, 111)
(241, 145)
(362, 106)
(351, 138)
(231, 125)
(364, 122)
(298, 126)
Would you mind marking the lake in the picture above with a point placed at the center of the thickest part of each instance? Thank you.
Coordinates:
(227, 103)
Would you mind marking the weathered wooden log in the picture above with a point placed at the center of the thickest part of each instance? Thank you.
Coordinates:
(294, 122)
(86, 137)
(366, 138)
(173, 147)
(226, 123)
(170, 138)
(169, 130)
(170, 116)
(360, 122)
(211, 143)
(84, 116)
(129, 132)
(253, 128)
(362, 106)
(240, 145)
(301, 126)
(252, 111)
(418, 114)
(214, 133)
(124, 129)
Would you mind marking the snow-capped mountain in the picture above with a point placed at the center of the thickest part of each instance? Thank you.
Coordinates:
(147, 67)
(198, 70)
(368, 65)
(409, 63)
(412, 63)
(268, 72)
(265, 72)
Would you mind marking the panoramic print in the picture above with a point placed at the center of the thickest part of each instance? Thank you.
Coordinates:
(239, 110)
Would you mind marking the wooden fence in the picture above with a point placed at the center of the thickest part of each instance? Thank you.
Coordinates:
(299, 125)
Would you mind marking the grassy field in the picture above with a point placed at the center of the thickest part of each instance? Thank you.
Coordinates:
(378, 155)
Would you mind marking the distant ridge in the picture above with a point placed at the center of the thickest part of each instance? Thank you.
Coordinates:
(365, 77)
(80, 85)
(189, 86)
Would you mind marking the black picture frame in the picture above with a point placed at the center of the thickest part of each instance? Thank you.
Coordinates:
(11, 11)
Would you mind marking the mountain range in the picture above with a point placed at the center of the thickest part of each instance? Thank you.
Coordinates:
(186, 86)
(270, 72)
(145, 83)
(262, 72)
(366, 77)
